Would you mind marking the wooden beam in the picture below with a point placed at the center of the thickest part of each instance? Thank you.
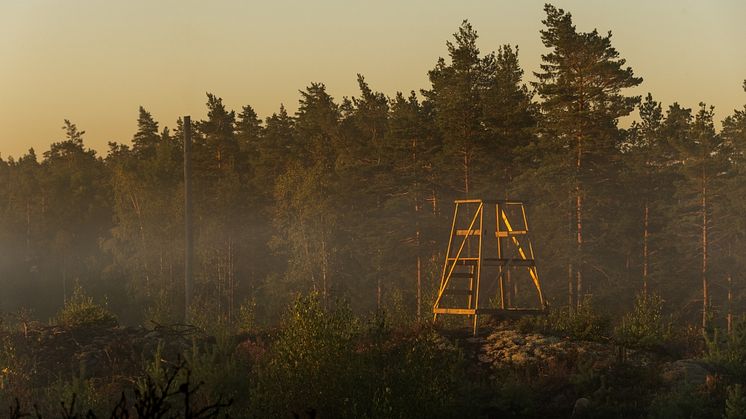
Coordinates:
(440, 310)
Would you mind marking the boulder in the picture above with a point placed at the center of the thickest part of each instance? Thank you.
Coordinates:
(685, 370)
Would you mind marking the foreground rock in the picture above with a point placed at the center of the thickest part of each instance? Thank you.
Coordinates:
(102, 351)
(505, 347)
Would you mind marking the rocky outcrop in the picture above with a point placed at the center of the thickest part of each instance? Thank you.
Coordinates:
(49, 351)
(689, 371)
(506, 347)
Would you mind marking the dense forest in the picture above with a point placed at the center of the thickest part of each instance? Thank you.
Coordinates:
(350, 200)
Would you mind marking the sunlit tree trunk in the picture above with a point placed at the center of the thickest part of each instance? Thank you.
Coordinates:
(417, 209)
(729, 280)
(705, 294)
(645, 235)
(570, 273)
(28, 229)
(324, 274)
(466, 173)
(579, 220)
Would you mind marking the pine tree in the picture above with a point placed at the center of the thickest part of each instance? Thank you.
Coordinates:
(580, 84)
(146, 138)
(305, 219)
(456, 97)
(649, 159)
(414, 145)
(76, 205)
(509, 119)
(702, 160)
(734, 141)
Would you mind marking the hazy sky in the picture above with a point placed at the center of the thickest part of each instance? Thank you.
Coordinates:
(94, 62)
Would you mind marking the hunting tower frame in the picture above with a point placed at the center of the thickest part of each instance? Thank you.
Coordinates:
(483, 238)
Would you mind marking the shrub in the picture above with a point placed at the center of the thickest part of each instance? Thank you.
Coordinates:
(735, 403)
(312, 364)
(161, 309)
(246, 321)
(683, 401)
(728, 350)
(326, 361)
(80, 311)
(644, 327)
(581, 323)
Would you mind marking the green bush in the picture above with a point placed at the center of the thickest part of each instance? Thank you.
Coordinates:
(735, 403)
(644, 327)
(246, 321)
(684, 401)
(728, 351)
(325, 359)
(80, 311)
(311, 365)
(581, 323)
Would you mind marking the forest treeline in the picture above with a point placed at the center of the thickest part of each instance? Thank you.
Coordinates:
(352, 197)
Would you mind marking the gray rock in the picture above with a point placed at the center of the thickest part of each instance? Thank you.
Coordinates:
(685, 370)
(581, 406)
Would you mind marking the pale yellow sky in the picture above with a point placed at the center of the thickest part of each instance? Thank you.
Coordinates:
(94, 62)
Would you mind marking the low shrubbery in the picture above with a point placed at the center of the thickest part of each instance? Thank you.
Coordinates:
(325, 360)
(645, 326)
(728, 351)
(328, 361)
(582, 323)
(80, 311)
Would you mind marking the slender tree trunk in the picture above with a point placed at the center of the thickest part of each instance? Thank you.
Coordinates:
(705, 294)
(231, 280)
(417, 210)
(64, 281)
(570, 273)
(141, 228)
(579, 207)
(28, 230)
(510, 288)
(324, 268)
(579, 214)
(379, 280)
(419, 287)
(730, 303)
(219, 261)
(645, 235)
(570, 285)
(466, 173)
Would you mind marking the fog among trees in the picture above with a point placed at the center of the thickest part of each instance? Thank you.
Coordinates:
(350, 199)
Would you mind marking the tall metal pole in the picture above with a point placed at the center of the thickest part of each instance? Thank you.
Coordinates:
(188, 232)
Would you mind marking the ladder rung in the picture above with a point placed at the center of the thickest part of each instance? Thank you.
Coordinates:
(468, 232)
(462, 275)
(510, 233)
(453, 310)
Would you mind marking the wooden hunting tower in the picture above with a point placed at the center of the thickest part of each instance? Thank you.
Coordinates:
(489, 240)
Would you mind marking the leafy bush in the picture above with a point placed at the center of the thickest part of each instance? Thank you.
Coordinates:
(728, 350)
(161, 309)
(80, 311)
(327, 361)
(246, 321)
(581, 323)
(684, 401)
(311, 365)
(644, 327)
(735, 403)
